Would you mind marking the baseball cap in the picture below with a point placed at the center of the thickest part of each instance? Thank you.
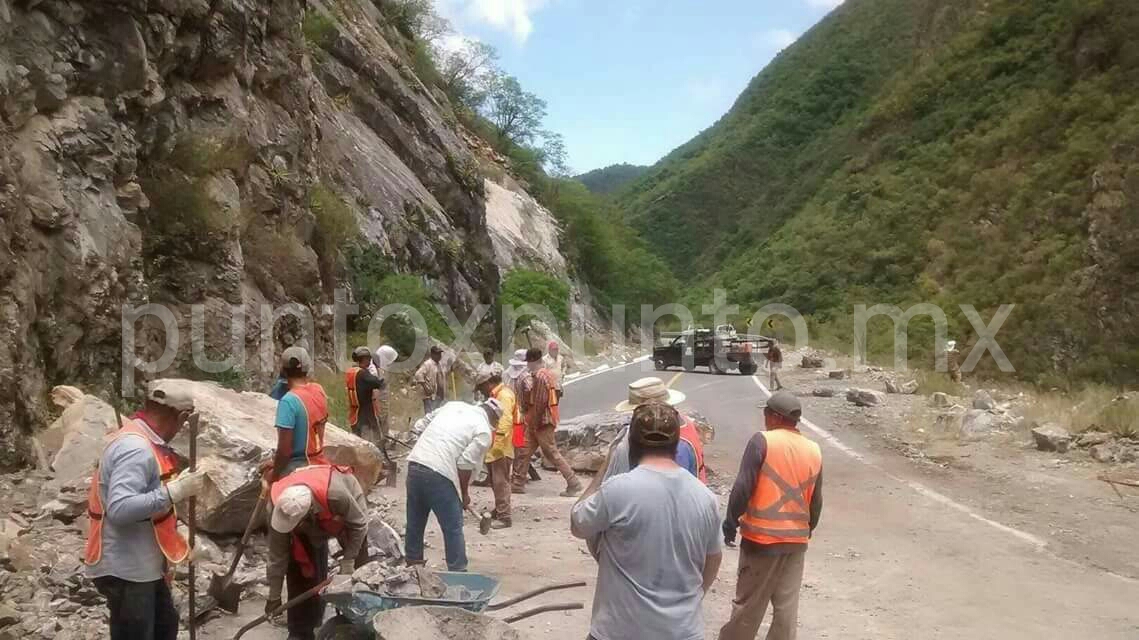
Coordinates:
(785, 404)
(494, 406)
(296, 358)
(290, 508)
(534, 355)
(361, 352)
(168, 394)
(436, 349)
(655, 425)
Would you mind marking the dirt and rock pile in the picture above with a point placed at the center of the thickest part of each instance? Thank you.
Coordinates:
(585, 440)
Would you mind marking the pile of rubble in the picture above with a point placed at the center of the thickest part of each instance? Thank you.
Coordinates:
(585, 440)
(44, 592)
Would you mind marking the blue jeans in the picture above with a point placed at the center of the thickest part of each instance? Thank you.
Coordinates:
(430, 492)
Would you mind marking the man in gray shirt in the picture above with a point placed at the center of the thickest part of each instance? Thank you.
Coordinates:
(659, 538)
(133, 537)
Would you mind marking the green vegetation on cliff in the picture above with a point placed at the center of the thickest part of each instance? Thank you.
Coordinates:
(611, 179)
(906, 151)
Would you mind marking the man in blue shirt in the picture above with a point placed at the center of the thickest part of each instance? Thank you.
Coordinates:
(301, 416)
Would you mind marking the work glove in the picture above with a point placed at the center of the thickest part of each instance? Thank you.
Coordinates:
(729, 534)
(340, 584)
(188, 483)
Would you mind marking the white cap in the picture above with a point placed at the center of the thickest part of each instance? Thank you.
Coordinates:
(167, 393)
(494, 406)
(290, 508)
(384, 356)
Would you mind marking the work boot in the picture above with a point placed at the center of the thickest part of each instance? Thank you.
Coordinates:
(517, 489)
(573, 487)
(501, 523)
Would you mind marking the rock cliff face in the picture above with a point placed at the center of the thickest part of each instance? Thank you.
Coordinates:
(217, 153)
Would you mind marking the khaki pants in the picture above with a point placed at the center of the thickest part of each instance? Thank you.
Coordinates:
(499, 471)
(542, 437)
(764, 579)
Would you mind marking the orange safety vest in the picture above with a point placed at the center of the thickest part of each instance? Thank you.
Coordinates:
(779, 510)
(689, 434)
(354, 400)
(316, 477)
(173, 546)
(315, 402)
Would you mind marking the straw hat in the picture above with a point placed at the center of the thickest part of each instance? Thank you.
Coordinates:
(650, 390)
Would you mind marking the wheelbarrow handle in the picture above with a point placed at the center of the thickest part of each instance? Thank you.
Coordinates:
(569, 606)
(288, 605)
(536, 592)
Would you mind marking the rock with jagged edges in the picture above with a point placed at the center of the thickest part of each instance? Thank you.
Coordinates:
(865, 397)
(1051, 437)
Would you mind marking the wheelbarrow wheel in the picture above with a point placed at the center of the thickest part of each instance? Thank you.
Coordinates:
(341, 628)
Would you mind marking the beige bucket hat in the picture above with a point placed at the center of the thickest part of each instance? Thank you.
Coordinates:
(648, 390)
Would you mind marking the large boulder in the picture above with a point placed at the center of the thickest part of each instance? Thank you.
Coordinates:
(978, 425)
(984, 401)
(235, 434)
(585, 440)
(1051, 437)
(812, 362)
(865, 397)
(72, 442)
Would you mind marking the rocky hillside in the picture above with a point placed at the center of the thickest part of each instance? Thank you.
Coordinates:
(945, 151)
(228, 154)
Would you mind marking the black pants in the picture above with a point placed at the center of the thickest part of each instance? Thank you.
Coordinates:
(304, 618)
(139, 610)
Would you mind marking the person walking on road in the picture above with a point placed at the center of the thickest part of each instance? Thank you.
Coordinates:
(500, 457)
(363, 397)
(657, 535)
(540, 410)
(557, 365)
(775, 503)
(429, 379)
(302, 414)
(132, 538)
(452, 444)
(774, 364)
(310, 506)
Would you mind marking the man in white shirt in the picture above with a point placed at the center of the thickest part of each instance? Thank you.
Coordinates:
(557, 365)
(453, 443)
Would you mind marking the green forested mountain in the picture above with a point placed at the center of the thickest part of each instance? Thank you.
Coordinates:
(610, 179)
(946, 151)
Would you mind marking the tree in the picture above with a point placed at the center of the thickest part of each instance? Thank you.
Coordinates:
(416, 19)
(553, 154)
(515, 113)
(462, 66)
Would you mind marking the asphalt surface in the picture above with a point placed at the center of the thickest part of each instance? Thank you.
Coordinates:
(895, 557)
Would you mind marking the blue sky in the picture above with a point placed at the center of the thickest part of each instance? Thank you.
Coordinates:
(630, 80)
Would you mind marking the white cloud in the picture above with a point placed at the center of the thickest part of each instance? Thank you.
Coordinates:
(778, 39)
(824, 4)
(512, 16)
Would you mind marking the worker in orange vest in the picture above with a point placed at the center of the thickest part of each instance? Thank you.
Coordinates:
(775, 503)
(302, 414)
(363, 399)
(310, 506)
(132, 539)
(690, 451)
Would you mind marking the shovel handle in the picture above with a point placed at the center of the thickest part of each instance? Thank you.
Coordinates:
(240, 551)
(569, 606)
(288, 605)
(536, 592)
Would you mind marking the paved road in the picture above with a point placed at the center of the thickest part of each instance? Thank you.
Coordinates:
(894, 557)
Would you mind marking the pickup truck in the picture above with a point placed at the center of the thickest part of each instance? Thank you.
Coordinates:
(720, 350)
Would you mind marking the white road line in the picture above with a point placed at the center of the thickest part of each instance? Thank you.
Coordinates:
(1037, 543)
(603, 369)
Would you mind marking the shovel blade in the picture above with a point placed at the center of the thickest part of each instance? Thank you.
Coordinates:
(225, 592)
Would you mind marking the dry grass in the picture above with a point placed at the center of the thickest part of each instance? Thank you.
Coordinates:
(1095, 408)
(936, 382)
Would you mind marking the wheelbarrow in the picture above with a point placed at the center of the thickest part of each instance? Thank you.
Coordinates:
(355, 610)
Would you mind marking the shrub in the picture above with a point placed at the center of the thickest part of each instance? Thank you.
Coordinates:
(376, 285)
(319, 29)
(199, 154)
(521, 287)
(335, 220)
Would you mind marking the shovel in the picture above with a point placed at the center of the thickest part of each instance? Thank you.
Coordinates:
(288, 605)
(484, 520)
(222, 589)
(193, 524)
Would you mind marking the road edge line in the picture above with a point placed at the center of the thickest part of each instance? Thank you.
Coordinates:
(1038, 543)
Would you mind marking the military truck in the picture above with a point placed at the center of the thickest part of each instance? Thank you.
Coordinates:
(721, 350)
